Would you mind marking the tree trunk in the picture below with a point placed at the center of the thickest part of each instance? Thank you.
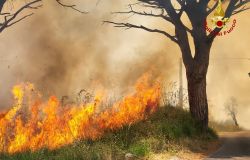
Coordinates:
(235, 120)
(196, 78)
(196, 68)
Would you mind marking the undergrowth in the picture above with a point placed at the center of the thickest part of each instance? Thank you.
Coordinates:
(170, 129)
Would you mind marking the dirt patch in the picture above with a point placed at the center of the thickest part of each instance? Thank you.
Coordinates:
(187, 154)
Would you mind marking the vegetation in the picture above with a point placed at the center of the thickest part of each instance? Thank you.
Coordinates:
(226, 126)
(231, 109)
(169, 130)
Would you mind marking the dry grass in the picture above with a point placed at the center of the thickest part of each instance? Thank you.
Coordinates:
(169, 132)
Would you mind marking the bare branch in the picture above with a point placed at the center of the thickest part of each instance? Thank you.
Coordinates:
(14, 22)
(129, 26)
(71, 6)
(9, 19)
(241, 3)
(2, 14)
(132, 11)
(244, 8)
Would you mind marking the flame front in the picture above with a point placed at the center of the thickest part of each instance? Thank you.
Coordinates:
(37, 125)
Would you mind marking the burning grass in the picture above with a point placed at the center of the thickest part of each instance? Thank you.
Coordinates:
(34, 125)
(170, 130)
(34, 130)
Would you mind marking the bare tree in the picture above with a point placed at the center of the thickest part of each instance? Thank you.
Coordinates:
(196, 66)
(8, 19)
(231, 109)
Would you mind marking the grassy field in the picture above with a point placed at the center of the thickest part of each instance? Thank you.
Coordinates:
(169, 130)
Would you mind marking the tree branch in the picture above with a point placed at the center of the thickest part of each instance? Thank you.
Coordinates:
(71, 6)
(197, 12)
(9, 19)
(172, 15)
(244, 8)
(129, 26)
(132, 11)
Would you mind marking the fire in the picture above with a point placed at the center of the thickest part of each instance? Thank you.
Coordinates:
(37, 124)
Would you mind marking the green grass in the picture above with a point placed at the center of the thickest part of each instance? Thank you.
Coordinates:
(170, 129)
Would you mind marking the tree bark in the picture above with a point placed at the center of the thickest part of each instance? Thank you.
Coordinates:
(198, 99)
(196, 77)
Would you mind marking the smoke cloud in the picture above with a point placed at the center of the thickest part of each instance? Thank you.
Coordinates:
(62, 52)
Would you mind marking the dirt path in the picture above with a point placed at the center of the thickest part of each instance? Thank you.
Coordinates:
(236, 145)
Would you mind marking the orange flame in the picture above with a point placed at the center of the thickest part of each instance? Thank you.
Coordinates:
(52, 125)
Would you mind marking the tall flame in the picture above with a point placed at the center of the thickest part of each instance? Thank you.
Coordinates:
(38, 124)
